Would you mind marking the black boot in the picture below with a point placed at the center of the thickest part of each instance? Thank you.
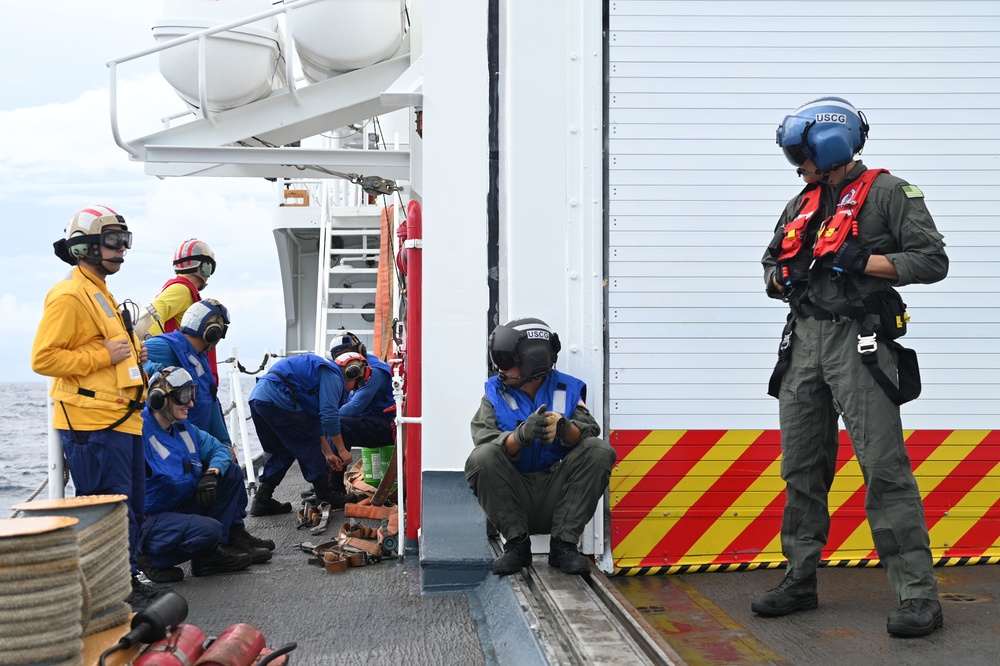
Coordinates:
(157, 575)
(221, 559)
(265, 505)
(239, 536)
(916, 617)
(790, 595)
(143, 594)
(516, 556)
(564, 556)
(241, 540)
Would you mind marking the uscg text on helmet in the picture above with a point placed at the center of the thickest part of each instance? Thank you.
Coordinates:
(831, 118)
(544, 335)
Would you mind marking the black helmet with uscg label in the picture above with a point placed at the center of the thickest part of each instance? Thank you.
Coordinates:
(528, 343)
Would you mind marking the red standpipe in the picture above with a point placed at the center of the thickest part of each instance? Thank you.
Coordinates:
(414, 360)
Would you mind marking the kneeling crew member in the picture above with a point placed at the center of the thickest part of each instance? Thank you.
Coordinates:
(192, 490)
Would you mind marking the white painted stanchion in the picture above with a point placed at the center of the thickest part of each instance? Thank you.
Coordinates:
(56, 488)
(236, 390)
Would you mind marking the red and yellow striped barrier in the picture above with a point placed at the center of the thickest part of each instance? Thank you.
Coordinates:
(712, 500)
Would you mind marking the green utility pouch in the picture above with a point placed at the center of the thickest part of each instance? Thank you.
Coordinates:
(889, 311)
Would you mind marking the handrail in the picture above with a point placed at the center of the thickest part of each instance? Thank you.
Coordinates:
(200, 36)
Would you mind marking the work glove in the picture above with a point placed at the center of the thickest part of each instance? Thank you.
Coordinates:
(555, 426)
(205, 493)
(534, 427)
(851, 257)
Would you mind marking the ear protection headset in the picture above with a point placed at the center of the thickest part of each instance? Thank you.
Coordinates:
(354, 366)
(156, 397)
(83, 250)
(214, 332)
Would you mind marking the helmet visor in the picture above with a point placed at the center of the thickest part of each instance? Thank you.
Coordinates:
(183, 395)
(116, 239)
(503, 360)
(791, 137)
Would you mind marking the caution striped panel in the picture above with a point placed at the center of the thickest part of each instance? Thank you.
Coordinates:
(712, 500)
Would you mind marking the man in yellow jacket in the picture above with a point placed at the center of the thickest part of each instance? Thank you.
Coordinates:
(86, 345)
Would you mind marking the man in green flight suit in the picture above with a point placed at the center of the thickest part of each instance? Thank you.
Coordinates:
(840, 247)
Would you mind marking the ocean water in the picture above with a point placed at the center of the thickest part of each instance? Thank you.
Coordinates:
(24, 432)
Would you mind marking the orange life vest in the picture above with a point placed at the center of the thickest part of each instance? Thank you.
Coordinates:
(836, 228)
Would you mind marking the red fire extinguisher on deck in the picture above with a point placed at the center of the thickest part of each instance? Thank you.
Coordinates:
(183, 646)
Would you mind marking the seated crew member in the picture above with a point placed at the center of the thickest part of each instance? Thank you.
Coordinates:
(192, 489)
(536, 470)
(204, 324)
(296, 411)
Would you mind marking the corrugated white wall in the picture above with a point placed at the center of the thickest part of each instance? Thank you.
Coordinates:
(696, 184)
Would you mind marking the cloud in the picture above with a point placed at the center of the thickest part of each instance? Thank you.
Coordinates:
(63, 158)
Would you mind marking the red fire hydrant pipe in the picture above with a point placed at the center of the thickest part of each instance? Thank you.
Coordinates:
(414, 361)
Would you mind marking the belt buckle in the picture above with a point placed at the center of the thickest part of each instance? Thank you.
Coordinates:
(840, 318)
(867, 344)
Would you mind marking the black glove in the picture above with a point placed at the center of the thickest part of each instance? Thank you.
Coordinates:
(851, 257)
(534, 427)
(562, 427)
(204, 495)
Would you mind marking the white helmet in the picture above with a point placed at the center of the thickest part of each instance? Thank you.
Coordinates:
(85, 234)
(208, 320)
(194, 256)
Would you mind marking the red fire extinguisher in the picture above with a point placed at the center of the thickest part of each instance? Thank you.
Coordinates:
(183, 646)
(238, 645)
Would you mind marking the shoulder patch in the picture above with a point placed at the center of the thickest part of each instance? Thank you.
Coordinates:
(912, 192)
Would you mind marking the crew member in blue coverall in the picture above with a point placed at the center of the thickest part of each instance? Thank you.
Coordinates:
(536, 470)
(296, 412)
(192, 489)
(366, 418)
(203, 325)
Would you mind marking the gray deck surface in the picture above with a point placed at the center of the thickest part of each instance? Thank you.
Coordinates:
(367, 615)
(707, 618)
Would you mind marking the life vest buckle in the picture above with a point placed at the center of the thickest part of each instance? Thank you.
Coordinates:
(867, 344)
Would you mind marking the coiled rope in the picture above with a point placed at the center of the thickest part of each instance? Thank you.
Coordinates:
(40, 591)
(104, 560)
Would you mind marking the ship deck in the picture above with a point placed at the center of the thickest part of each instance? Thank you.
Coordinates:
(378, 614)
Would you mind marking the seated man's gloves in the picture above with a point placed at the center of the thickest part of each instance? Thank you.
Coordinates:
(534, 427)
(851, 257)
(205, 493)
(556, 426)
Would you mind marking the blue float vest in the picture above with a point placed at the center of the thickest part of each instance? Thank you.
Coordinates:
(300, 375)
(561, 392)
(173, 464)
(200, 369)
(384, 400)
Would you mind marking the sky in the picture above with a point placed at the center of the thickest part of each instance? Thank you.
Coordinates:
(57, 156)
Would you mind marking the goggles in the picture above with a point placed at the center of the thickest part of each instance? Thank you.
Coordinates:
(183, 395)
(116, 239)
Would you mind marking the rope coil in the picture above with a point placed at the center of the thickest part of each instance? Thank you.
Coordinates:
(40, 591)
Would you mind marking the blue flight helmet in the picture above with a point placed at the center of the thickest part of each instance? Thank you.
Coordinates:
(829, 131)
(207, 319)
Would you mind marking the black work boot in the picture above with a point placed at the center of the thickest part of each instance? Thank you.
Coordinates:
(516, 556)
(238, 536)
(157, 575)
(564, 556)
(790, 595)
(221, 559)
(265, 505)
(916, 617)
(143, 594)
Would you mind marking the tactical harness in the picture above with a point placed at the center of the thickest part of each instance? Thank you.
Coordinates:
(880, 313)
